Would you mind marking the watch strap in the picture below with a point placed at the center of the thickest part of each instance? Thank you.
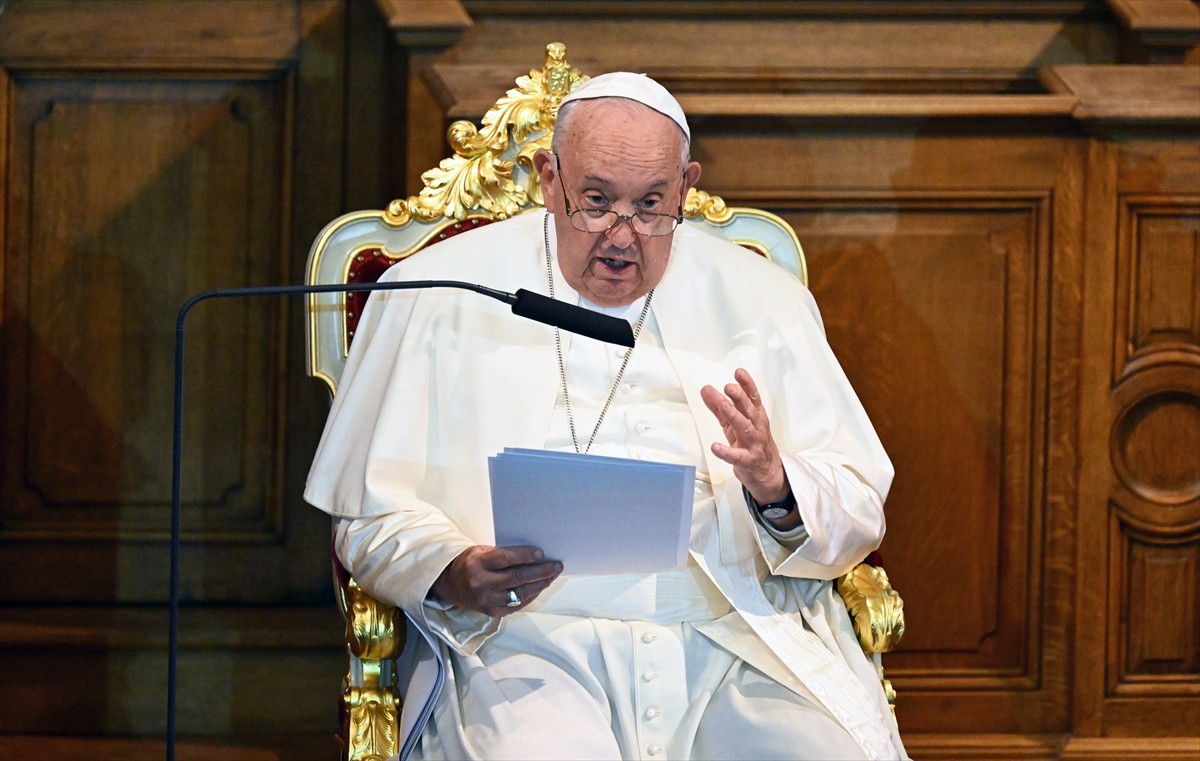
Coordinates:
(774, 511)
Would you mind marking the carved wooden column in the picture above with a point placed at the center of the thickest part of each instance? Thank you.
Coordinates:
(1137, 616)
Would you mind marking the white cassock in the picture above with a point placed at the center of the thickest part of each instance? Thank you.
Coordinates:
(648, 666)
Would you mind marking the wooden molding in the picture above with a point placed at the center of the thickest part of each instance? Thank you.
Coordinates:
(225, 33)
(1162, 16)
(982, 747)
(788, 8)
(467, 91)
(1131, 749)
(425, 23)
(876, 106)
(34, 628)
(1167, 29)
(1051, 748)
(1137, 94)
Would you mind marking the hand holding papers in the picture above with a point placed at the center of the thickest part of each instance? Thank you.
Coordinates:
(597, 515)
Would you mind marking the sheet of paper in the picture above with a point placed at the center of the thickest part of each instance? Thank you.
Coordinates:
(598, 515)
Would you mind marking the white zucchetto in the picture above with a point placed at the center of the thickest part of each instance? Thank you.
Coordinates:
(638, 87)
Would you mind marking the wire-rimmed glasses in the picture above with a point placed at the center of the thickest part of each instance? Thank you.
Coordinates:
(601, 220)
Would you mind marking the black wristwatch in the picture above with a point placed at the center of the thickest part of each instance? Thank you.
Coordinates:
(774, 511)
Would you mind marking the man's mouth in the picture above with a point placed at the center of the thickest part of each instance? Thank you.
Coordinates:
(615, 264)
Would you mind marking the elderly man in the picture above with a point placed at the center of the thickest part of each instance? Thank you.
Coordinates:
(743, 651)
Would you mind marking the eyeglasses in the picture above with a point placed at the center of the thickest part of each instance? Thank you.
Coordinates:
(601, 220)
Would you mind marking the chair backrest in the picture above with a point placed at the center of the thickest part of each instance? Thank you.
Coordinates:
(488, 178)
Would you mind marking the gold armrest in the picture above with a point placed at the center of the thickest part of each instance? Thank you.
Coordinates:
(877, 611)
(370, 707)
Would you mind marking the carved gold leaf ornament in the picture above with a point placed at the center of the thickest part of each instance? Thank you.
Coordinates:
(479, 175)
(370, 625)
(373, 729)
(878, 613)
(710, 207)
(877, 609)
(397, 213)
(533, 191)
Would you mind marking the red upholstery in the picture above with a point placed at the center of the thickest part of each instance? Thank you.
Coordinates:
(370, 264)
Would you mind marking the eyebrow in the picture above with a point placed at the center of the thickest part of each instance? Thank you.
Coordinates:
(608, 183)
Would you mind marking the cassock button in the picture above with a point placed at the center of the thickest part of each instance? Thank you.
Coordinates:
(649, 676)
(642, 428)
(649, 637)
(652, 713)
(654, 750)
(627, 388)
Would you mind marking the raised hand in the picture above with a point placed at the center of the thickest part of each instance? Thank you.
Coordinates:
(749, 448)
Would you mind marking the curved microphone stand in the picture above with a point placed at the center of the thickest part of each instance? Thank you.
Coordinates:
(524, 303)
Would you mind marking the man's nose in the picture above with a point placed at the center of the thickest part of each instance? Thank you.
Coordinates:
(621, 235)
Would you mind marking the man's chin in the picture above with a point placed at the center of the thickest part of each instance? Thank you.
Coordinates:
(613, 293)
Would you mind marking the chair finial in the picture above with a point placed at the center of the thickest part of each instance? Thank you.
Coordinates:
(560, 77)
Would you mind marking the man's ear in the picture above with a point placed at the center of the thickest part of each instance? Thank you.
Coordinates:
(691, 175)
(543, 164)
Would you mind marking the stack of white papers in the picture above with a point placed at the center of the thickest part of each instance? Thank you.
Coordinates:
(597, 515)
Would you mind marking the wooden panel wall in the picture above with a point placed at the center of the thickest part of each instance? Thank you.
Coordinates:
(152, 151)
(1000, 203)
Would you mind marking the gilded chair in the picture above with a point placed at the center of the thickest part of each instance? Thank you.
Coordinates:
(489, 178)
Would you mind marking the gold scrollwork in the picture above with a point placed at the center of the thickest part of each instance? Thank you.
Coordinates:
(877, 609)
(397, 213)
(373, 730)
(478, 176)
(710, 207)
(370, 625)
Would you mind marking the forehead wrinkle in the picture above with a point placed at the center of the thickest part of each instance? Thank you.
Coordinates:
(608, 183)
(609, 143)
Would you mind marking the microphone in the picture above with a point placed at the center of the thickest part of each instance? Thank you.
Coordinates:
(576, 319)
(524, 303)
(560, 314)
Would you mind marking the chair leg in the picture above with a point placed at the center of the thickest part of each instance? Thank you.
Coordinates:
(370, 706)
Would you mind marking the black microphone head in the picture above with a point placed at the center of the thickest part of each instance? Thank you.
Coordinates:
(576, 319)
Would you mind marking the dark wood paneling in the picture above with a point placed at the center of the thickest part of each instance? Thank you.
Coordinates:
(128, 192)
(180, 33)
(1159, 602)
(113, 235)
(1153, 412)
(940, 350)
(153, 150)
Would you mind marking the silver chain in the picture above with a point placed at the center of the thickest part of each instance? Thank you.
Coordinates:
(562, 366)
